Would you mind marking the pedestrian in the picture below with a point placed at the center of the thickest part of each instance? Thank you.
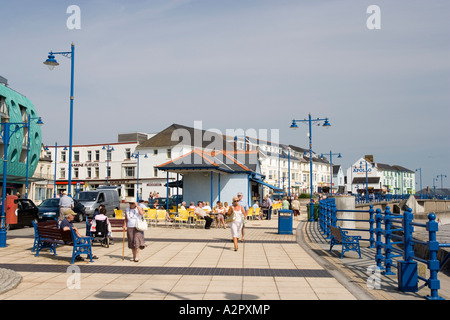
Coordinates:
(236, 211)
(296, 206)
(134, 236)
(285, 204)
(202, 214)
(267, 207)
(220, 211)
(244, 206)
(65, 204)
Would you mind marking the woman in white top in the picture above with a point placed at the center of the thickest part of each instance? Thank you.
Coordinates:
(220, 211)
(238, 222)
(134, 236)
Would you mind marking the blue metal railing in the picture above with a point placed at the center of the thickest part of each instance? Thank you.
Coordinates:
(388, 233)
(374, 198)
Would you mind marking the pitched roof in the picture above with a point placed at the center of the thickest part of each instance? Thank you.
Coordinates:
(221, 160)
(177, 134)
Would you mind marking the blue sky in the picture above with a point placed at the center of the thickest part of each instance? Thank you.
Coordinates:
(143, 65)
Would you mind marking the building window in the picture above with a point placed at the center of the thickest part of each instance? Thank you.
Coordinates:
(155, 172)
(169, 153)
(63, 156)
(62, 173)
(97, 172)
(128, 153)
(89, 173)
(76, 173)
(129, 172)
(155, 152)
(97, 155)
(76, 156)
(108, 171)
(89, 155)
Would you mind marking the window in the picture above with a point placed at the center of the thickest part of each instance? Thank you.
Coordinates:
(62, 173)
(97, 172)
(76, 156)
(108, 171)
(129, 171)
(76, 173)
(128, 153)
(97, 155)
(89, 155)
(63, 156)
(155, 172)
(89, 173)
(169, 153)
(155, 152)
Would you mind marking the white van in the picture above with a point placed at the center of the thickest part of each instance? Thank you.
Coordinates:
(94, 198)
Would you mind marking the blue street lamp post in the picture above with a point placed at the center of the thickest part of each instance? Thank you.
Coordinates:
(310, 121)
(108, 159)
(420, 171)
(6, 134)
(331, 168)
(441, 176)
(52, 63)
(137, 155)
(39, 122)
(367, 179)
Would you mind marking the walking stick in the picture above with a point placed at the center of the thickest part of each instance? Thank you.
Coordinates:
(123, 244)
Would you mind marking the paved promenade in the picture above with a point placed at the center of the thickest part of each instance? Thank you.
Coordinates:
(188, 263)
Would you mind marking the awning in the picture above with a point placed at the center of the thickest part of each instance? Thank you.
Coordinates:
(266, 184)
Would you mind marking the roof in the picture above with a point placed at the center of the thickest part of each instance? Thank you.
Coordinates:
(225, 161)
(177, 134)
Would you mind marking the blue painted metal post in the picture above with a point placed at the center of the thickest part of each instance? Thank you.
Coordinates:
(388, 244)
(56, 161)
(212, 185)
(407, 269)
(311, 206)
(5, 138)
(371, 229)
(218, 189)
(379, 242)
(433, 263)
(69, 182)
(167, 191)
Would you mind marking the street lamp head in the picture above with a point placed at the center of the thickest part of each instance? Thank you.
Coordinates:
(39, 122)
(326, 124)
(51, 62)
(339, 156)
(294, 125)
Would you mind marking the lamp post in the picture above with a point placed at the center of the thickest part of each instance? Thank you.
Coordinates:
(331, 168)
(56, 162)
(6, 134)
(420, 171)
(442, 176)
(310, 121)
(108, 158)
(137, 155)
(52, 63)
(39, 122)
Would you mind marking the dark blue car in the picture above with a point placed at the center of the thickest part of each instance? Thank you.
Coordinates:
(49, 209)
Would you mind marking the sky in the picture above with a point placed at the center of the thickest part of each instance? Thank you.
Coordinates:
(249, 64)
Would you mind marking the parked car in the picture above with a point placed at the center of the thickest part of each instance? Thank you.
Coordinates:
(94, 198)
(49, 209)
(26, 213)
(162, 202)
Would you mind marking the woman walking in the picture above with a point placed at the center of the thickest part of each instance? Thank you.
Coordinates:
(236, 224)
(134, 236)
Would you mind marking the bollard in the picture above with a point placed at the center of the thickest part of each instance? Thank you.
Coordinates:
(371, 229)
(379, 242)
(388, 245)
(433, 263)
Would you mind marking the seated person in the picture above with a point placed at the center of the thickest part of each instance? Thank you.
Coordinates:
(101, 216)
(67, 223)
(201, 213)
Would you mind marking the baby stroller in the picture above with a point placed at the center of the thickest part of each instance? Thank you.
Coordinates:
(100, 233)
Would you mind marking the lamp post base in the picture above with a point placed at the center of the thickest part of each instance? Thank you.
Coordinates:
(3, 238)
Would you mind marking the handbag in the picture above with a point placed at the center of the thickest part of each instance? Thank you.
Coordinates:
(231, 217)
(141, 224)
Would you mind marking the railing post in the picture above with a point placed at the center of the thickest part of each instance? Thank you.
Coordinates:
(407, 269)
(379, 242)
(371, 230)
(388, 245)
(433, 263)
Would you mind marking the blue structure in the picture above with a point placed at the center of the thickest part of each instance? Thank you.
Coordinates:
(388, 242)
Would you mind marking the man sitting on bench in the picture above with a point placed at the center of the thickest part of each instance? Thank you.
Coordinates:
(66, 224)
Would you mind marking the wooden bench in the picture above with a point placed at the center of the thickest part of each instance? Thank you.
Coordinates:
(349, 243)
(50, 235)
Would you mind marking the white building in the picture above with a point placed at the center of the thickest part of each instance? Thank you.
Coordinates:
(379, 178)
